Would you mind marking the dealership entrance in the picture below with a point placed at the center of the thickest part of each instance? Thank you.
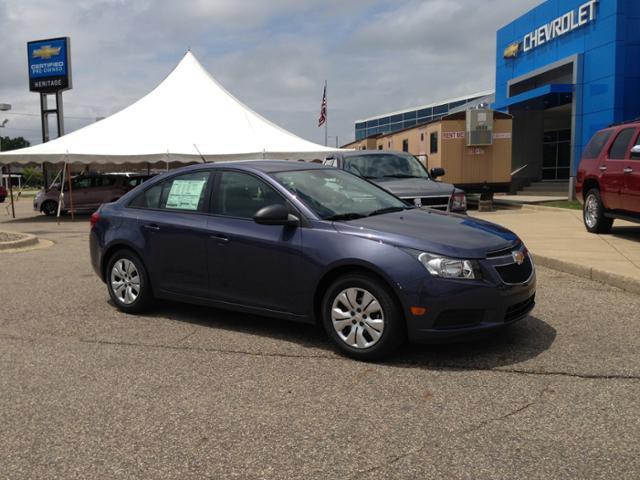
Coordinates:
(543, 109)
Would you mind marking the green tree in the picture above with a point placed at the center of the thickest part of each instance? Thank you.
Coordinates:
(9, 143)
(32, 176)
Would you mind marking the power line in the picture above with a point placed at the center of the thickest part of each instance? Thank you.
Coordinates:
(25, 114)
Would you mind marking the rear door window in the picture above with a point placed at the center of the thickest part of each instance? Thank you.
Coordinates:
(185, 192)
(620, 147)
(597, 143)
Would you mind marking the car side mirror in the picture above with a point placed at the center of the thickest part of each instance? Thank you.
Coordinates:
(276, 214)
(635, 153)
(437, 172)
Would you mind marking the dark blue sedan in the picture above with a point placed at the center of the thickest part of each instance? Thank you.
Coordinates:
(312, 244)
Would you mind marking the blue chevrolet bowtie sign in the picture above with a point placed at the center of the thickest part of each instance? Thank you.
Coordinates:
(49, 65)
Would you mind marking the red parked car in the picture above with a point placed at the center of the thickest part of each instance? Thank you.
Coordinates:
(608, 183)
(3, 193)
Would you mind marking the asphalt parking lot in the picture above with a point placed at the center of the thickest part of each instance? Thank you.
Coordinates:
(189, 392)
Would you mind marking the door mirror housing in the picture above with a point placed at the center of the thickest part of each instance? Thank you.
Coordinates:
(437, 172)
(635, 153)
(276, 214)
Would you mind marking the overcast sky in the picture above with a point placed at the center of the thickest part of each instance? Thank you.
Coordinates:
(274, 55)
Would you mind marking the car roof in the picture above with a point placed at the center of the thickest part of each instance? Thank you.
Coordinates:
(357, 153)
(265, 166)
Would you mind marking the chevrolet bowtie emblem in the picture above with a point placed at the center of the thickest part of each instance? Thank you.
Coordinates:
(46, 52)
(518, 257)
(512, 50)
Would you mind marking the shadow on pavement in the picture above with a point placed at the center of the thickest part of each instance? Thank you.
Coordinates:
(518, 343)
(626, 233)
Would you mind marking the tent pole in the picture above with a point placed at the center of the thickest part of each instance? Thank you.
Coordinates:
(13, 209)
(70, 191)
(61, 194)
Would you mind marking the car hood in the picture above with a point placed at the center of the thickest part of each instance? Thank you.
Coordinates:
(414, 187)
(446, 234)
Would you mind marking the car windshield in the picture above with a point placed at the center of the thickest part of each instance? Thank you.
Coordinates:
(385, 166)
(337, 195)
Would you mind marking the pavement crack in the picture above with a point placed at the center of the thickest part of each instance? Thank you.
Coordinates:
(509, 414)
(202, 349)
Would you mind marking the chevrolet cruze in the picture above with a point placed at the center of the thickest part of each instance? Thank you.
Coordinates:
(310, 243)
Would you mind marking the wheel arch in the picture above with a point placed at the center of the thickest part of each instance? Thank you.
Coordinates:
(589, 184)
(346, 269)
(110, 250)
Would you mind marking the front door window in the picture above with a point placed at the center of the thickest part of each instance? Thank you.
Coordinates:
(557, 155)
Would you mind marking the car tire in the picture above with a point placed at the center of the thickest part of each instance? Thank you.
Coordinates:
(128, 282)
(593, 213)
(361, 317)
(49, 208)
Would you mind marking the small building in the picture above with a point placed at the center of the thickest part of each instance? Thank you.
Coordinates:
(450, 142)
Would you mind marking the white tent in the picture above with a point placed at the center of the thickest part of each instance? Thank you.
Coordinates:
(188, 114)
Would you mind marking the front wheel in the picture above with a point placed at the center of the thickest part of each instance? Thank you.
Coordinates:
(361, 317)
(128, 282)
(593, 213)
(50, 208)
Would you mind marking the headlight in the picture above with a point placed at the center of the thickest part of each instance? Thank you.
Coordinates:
(449, 267)
(458, 201)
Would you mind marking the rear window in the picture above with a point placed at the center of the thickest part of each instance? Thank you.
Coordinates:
(620, 147)
(597, 143)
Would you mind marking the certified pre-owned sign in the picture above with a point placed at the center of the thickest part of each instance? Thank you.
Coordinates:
(49, 65)
(570, 21)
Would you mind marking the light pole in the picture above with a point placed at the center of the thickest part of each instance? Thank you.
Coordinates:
(336, 137)
(5, 107)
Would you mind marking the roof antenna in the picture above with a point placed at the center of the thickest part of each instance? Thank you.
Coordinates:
(201, 156)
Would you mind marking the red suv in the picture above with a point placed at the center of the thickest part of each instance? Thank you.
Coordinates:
(608, 183)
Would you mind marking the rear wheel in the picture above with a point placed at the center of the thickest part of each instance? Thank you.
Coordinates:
(49, 208)
(593, 213)
(361, 317)
(128, 282)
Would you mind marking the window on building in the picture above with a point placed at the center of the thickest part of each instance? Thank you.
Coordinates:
(379, 147)
(422, 137)
(405, 145)
(620, 147)
(389, 144)
(433, 143)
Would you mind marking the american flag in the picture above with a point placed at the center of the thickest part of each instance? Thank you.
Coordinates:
(323, 109)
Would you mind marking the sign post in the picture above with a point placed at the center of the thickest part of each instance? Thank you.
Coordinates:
(50, 74)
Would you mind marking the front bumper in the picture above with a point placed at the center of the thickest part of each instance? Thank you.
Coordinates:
(462, 308)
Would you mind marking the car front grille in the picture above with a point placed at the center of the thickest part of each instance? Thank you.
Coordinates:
(439, 203)
(514, 273)
(519, 309)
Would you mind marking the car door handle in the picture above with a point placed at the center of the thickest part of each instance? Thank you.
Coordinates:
(220, 238)
(603, 168)
(152, 226)
(628, 170)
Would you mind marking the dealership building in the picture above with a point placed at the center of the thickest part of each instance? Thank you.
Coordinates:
(564, 70)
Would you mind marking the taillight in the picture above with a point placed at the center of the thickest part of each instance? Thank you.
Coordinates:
(95, 216)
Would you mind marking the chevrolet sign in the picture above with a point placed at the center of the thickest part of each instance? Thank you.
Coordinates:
(567, 23)
(512, 50)
(49, 65)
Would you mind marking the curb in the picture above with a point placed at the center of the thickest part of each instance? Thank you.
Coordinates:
(27, 240)
(531, 206)
(628, 284)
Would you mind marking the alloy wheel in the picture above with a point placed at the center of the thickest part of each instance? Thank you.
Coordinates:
(591, 211)
(357, 317)
(125, 281)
